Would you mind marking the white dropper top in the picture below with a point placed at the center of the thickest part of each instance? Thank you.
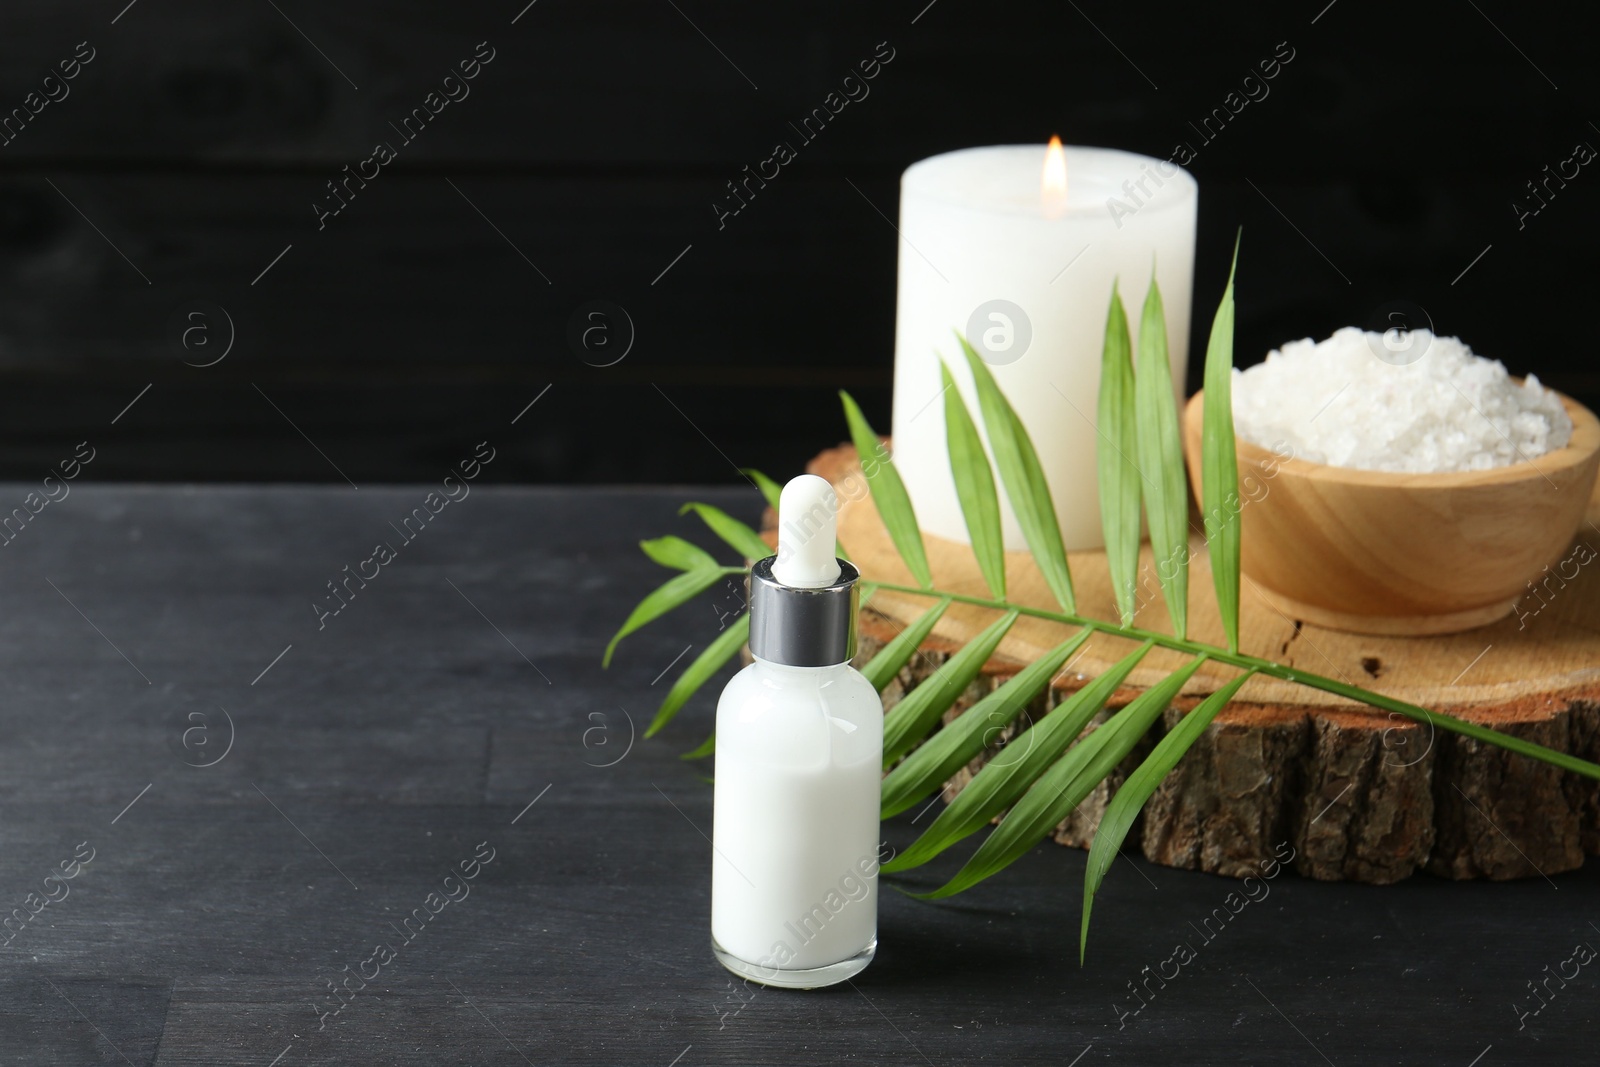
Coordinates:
(808, 520)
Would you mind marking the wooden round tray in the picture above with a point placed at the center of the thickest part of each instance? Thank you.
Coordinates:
(1360, 794)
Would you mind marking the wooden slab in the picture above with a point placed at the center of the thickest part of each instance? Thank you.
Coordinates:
(1362, 794)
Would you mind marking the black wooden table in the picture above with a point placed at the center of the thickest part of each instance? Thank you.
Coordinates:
(442, 769)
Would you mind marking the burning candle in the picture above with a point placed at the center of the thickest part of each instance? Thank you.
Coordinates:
(1017, 248)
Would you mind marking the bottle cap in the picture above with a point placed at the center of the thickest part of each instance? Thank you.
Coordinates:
(803, 600)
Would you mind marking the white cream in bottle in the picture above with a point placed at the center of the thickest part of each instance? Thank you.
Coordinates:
(794, 884)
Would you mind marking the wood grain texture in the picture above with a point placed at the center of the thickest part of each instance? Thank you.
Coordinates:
(1410, 554)
(1363, 794)
(409, 730)
(201, 134)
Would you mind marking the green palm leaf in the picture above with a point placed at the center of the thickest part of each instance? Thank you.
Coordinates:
(770, 490)
(706, 664)
(1006, 777)
(741, 537)
(980, 504)
(1219, 464)
(703, 749)
(676, 591)
(893, 657)
(1130, 799)
(1116, 454)
(910, 720)
(888, 492)
(928, 767)
(1063, 787)
(1160, 458)
(1048, 769)
(675, 552)
(1024, 480)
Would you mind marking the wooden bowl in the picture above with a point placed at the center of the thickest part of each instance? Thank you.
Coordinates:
(1381, 552)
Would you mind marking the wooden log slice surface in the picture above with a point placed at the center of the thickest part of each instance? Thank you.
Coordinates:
(1359, 793)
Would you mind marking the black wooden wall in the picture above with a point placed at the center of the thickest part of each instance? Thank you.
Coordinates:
(170, 175)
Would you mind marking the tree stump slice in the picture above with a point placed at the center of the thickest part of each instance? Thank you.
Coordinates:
(1360, 794)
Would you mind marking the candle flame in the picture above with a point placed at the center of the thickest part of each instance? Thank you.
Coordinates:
(1053, 182)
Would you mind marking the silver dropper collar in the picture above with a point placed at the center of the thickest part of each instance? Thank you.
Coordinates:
(803, 627)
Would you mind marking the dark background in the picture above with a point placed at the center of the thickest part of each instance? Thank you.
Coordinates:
(190, 151)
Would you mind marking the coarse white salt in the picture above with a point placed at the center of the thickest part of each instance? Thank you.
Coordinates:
(1356, 401)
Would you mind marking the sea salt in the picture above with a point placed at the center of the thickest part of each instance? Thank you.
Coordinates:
(1356, 401)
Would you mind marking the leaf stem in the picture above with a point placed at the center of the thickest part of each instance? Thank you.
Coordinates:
(1272, 669)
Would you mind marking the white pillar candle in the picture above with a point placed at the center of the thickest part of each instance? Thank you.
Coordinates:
(990, 248)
